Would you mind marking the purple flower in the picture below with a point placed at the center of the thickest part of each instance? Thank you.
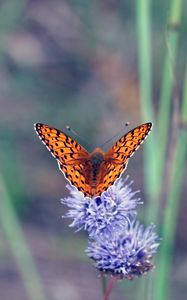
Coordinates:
(104, 215)
(125, 255)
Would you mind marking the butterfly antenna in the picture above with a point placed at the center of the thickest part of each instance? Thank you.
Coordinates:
(75, 133)
(126, 124)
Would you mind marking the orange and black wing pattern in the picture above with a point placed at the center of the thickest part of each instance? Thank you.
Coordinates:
(71, 157)
(74, 161)
(116, 159)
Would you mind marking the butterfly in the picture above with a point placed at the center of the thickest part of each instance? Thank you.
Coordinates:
(91, 173)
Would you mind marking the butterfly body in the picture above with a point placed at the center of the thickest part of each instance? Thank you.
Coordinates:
(92, 173)
(96, 158)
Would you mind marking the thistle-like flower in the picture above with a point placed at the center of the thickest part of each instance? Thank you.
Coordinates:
(104, 215)
(125, 255)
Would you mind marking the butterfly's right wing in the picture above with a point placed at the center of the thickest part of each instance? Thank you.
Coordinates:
(125, 147)
(117, 157)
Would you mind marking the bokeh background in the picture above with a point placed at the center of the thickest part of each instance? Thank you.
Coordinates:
(93, 65)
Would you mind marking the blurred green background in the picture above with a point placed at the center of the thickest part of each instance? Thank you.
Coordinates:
(93, 65)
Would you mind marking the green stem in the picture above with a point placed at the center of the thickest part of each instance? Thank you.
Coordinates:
(145, 75)
(171, 211)
(143, 17)
(167, 86)
(18, 245)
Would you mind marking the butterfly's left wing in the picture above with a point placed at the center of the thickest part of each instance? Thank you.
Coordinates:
(62, 147)
(116, 159)
(78, 175)
(72, 158)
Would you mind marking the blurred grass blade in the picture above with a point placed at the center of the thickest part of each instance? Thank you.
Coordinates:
(143, 17)
(143, 23)
(18, 245)
(173, 26)
(171, 212)
(144, 51)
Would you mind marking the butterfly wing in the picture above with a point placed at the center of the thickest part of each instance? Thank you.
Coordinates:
(116, 159)
(78, 175)
(72, 158)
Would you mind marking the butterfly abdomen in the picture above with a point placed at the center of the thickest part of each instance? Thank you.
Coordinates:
(96, 158)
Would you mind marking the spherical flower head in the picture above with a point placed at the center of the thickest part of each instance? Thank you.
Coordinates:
(104, 215)
(126, 255)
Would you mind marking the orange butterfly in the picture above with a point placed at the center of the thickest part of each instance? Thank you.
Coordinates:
(92, 173)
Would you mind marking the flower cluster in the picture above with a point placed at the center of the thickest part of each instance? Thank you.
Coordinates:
(118, 244)
(127, 254)
(103, 215)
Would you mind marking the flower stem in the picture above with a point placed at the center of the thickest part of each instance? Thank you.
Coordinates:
(109, 288)
(104, 284)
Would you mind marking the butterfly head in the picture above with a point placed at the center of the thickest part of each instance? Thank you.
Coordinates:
(97, 156)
